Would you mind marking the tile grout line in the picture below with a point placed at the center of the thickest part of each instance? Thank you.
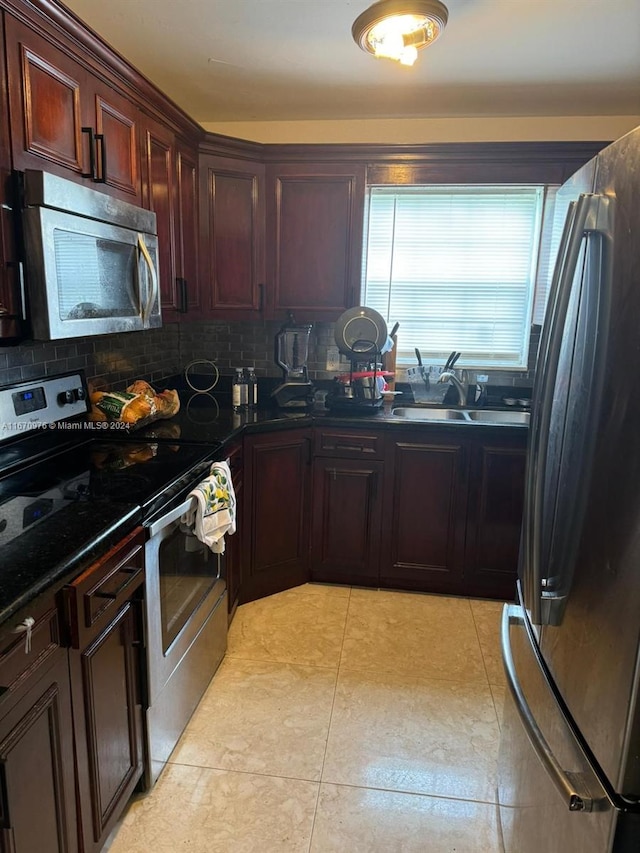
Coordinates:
(333, 702)
(484, 664)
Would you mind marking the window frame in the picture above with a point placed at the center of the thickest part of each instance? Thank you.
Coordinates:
(538, 195)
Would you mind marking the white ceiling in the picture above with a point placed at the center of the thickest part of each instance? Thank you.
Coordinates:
(271, 60)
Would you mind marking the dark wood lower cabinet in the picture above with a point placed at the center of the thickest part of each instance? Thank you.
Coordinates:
(425, 509)
(234, 550)
(105, 607)
(37, 806)
(346, 512)
(496, 500)
(425, 512)
(277, 477)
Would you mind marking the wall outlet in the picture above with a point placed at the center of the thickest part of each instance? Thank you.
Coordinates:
(333, 359)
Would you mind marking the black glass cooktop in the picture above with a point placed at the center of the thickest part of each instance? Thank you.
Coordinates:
(146, 474)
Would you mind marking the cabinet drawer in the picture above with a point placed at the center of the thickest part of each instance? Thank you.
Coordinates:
(349, 443)
(97, 593)
(23, 655)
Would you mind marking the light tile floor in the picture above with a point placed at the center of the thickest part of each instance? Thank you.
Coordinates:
(341, 721)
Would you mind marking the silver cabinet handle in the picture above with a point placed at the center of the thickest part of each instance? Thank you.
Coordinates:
(153, 294)
(569, 785)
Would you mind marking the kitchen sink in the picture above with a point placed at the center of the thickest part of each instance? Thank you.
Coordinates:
(488, 416)
(424, 414)
(484, 416)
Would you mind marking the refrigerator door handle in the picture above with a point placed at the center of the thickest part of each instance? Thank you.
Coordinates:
(599, 225)
(531, 591)
(571, 786)
(589, 215)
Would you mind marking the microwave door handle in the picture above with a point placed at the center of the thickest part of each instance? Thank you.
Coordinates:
(153, 293)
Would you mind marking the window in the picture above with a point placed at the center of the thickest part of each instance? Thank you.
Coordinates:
(455, 266)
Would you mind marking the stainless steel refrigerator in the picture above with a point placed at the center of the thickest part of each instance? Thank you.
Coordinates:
(569, 769)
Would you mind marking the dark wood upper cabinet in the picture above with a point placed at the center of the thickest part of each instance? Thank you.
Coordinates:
(66, 120)
(232, 227)
(44, 91)
(11, 308)
(187, 236)
(117, 124)
(158, 154)
(314, 238)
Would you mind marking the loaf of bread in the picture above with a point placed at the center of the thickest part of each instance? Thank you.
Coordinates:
(136, 406)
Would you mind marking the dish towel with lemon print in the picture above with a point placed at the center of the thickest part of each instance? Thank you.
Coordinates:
(212, 514)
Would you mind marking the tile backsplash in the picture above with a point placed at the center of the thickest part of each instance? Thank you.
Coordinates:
(115, 360)
(108, 360)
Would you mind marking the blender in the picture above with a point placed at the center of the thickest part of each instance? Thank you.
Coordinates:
(291, 355)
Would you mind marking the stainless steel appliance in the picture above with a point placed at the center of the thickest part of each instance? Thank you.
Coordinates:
(569, 770)
(49, 475)
(91, 260)
(186, 624)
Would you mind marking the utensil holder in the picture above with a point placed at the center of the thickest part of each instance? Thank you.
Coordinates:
(424, 384)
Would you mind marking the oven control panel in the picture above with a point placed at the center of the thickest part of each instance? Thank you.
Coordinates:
(40, 402)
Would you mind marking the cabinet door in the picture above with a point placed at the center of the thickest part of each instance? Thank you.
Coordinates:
(232, 213)
(116, 122)
(234, 563)
(37, 760)
(45, 100)
(66, 120)
(108, 712)
(11, 309)
(187, 237)
(159, 196)
(426, 491)
(346, 512)
(314, 232)
(103, 606)
(276, 505)
(496, 500)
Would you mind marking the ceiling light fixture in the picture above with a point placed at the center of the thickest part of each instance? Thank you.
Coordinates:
(398, 29)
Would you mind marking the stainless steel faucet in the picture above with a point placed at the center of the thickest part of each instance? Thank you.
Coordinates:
(446, 376)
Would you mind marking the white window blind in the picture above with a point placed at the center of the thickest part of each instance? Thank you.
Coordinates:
(456, 268)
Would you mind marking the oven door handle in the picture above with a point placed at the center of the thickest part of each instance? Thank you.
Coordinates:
(170, 517)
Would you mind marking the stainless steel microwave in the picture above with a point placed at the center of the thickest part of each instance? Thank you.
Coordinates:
(91, 261)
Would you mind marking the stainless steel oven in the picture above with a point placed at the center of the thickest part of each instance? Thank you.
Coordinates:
(186, 627)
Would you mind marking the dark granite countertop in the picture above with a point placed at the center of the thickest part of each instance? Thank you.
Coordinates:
(58, 549)
(52, 554)
(209, 419)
